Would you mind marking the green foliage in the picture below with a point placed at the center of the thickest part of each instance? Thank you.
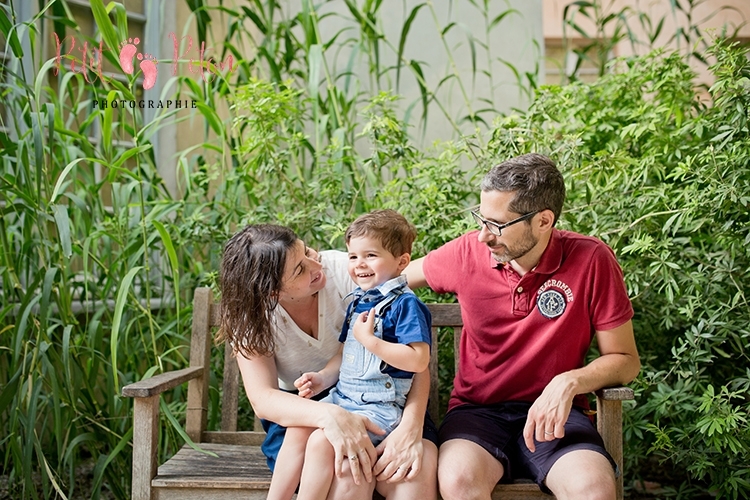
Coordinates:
(664, 179)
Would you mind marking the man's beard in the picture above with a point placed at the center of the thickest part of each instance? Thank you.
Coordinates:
(516, 251)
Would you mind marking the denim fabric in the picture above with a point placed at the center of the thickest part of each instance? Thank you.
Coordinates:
(272, 442)
(363, 387)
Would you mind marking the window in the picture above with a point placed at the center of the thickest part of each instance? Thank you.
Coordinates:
(562, 57)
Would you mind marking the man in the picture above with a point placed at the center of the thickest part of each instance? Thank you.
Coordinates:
(532, 299)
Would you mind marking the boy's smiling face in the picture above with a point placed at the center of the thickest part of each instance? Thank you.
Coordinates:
(370, 264)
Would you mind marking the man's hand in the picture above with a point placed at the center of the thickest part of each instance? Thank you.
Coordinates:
(364, 329)
(547, 416)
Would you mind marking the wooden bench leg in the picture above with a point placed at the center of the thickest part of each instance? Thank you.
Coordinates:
(145, 442)
(609, 425)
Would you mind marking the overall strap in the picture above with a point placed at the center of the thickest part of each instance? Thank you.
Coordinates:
(389, 299)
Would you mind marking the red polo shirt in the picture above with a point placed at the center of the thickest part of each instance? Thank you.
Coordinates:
(519, 332)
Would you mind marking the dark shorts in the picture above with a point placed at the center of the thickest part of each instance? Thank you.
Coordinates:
(499, 430)
(275, 436)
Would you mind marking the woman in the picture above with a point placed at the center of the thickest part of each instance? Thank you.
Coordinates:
(282, 311)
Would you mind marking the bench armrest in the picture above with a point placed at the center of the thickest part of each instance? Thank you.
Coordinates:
(146, 424)
(609, 424)
(615, 394)
(160, 383)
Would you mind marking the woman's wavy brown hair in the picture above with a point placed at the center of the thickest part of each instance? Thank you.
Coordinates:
(252, 270)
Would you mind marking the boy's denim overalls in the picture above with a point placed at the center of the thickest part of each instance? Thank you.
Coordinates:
(362, 387)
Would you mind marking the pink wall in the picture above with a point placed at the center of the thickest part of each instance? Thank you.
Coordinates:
(710, 15)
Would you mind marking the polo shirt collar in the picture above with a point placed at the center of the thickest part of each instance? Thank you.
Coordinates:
(552, 257)
(381, 290)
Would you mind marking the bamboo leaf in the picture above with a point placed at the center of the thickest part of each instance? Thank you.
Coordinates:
(107, 126)
(101, 17)
(9, 391)
(423, 91)
(256, 20)
(129, 153)
(500, 17)
(63, 228)
(101, 465)
(64, 175)
(42, 77)
(9, 33)
(173, 263)
(122, 296)
(402, 41)
(314, 60)
(212, 118)
(177, 427)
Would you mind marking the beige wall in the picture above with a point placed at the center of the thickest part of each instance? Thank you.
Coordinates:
(190, 127)
(517, 40)
(710, 16)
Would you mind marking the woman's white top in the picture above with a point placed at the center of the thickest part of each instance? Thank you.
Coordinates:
(297, 352)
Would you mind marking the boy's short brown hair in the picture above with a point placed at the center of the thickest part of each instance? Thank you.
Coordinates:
(394, 232)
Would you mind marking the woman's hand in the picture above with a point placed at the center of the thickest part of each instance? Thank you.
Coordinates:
(400, 454)
(347, 433)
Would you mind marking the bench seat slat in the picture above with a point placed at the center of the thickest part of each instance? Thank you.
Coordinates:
(236, 466)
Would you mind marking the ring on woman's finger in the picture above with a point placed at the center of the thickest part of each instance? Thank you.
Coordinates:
(548, 433)
(353, 458)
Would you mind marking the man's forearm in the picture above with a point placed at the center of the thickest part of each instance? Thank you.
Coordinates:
(605, 371)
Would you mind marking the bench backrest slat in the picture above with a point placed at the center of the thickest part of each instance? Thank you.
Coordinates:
(230, 391)
(206, 314)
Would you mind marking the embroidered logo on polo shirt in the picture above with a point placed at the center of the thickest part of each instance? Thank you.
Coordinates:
(551, 304)
(553, 298)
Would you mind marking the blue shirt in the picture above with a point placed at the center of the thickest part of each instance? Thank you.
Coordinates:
(406, 321)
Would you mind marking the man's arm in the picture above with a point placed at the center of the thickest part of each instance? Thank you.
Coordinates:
(618, 364)
(415, 274)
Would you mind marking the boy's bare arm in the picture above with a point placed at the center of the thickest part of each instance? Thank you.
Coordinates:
(311, 383)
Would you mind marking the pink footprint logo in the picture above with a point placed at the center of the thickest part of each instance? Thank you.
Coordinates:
(148, 66)
(127, 51)
(147, 62)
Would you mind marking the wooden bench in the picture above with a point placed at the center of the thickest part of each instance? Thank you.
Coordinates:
(236, 468)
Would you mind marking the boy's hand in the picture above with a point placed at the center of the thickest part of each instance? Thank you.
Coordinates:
(364, 329)
(309, 384)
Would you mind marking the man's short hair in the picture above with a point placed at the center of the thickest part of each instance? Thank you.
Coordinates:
(535, 180)
(394, 232)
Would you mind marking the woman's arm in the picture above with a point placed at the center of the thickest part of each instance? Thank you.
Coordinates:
(346, 431)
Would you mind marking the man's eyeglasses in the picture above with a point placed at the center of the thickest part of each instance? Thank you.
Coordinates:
(494, 227)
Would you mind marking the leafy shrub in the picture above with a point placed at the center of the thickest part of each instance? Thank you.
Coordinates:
(663, 177)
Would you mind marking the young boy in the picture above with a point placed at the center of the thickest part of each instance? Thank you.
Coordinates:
(386, 339)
